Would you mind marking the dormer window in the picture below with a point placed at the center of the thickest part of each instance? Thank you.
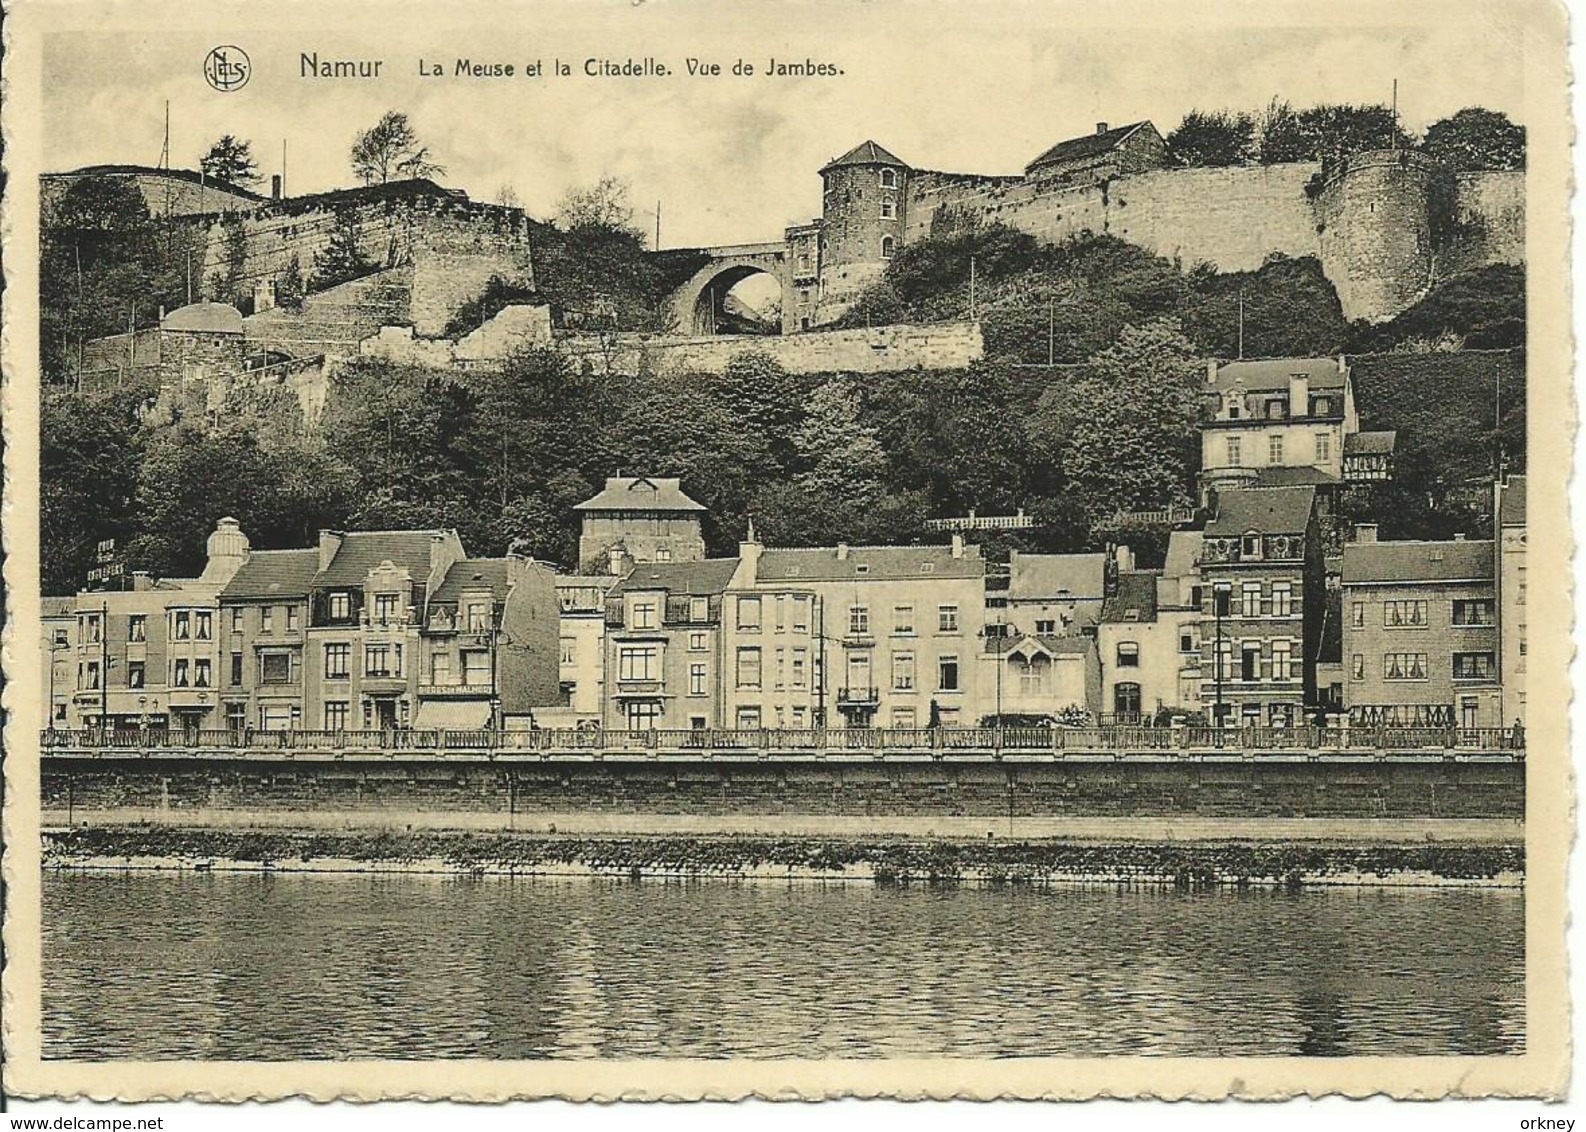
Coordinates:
(1250, 546)
(1276, 410)
(1233, 410)
(862, 568)
(1324, 406)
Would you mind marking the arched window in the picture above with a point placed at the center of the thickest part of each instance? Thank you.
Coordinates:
(889, 178)
(888, 244)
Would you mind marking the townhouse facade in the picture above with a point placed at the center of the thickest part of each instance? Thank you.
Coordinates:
(581, 599)
(771, 645)
(1421, 633)
(264, 618)
(1262, 593)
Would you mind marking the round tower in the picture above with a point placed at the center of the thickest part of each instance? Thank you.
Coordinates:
(862, 215)
(1374, 223)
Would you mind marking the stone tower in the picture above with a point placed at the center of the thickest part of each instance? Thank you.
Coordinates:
(863, 199)
(1374, 228)
(639, 519)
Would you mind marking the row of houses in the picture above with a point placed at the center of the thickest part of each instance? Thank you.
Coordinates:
(1251, 620)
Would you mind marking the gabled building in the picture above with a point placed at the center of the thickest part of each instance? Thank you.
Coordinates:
(1053, 595)
(1026, 676)
(1421, 633)
(1148, 642)
(1263, 593)
(639, 519)
(1112, 151)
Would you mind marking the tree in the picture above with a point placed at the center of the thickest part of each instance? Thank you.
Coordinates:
(604, 204)
(391, 146)
(230, 161)
(342, 258)
(1475, 139)
(1219, 137)
(1326, 132)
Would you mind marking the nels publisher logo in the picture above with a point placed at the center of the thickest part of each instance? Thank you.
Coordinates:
(227, 68)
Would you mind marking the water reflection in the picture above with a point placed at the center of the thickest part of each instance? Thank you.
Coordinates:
(296, 967)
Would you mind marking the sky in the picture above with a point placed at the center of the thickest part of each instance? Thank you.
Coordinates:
(963, 87)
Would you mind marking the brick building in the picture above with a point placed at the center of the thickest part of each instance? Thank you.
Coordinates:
(1262, 595)
(1421, 633)
(639, 519)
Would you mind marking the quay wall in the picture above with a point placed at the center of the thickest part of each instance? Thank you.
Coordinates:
(748, 788)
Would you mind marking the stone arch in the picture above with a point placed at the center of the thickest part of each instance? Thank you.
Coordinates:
(697, 305)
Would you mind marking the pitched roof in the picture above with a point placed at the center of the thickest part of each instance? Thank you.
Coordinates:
(1136, 595)
(362, 551)
(473, 573)
(641, 493)
(1035, 577)
(204, 318)
(1072, 645)
(1183, 551)
(1274, 373)
(1404, 562)
(698, 578)
(865, 153)
(1087, 145)
(1370, 443)
(833, 564)
(1294, 477)
(585, 581)
(1511, 503)
(1270, 510)
(191, 176)
(273, 573)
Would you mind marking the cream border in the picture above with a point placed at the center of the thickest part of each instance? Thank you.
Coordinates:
(1542, 1071)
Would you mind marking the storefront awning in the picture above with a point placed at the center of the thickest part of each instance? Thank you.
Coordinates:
(452, 715)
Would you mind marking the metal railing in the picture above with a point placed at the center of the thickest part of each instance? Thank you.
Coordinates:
(936, 742)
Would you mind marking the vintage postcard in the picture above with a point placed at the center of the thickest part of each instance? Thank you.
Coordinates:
(695, 549)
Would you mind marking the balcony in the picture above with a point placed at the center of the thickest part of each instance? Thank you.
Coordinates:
(858, 697)
(384, 684)
(651, 687)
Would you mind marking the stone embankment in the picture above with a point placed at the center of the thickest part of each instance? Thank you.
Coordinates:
(887, 860)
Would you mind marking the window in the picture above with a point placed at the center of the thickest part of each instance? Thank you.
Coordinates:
(1235, 452)
(1281, 657)
(201, 672)
(1189, 690)
(697, 642)
(336, 715)
(801, 615)
(1357, 615)
(1357, 667)
(276, 667)
(639, 662)
(663, 554)
(1250, 661)
(1282, 599)
(1275, 450)
(204, 625)
(1250, 594)
(1404, 666)
(476, 667)
(903, 621)
(61, 637)
(903, 672)
(1324, 447)
(889, 178)
(1403, 614)
(642, 715)
(137, 675)
(1225, 659)
(800, 667)
(904, 719)
(749, 614)
(235, 676)
(267, 619)
(889, 210)
(138, 627)
(569, 650)
(184, 625)
(1032, 679)
(336, 659)
(179, 673)
(699, 609)
(1473, 613)
(441, 668)
(478, 617)
(340, 606)
(1045, 627)
(291, 619)
(1250, 546)
(1126, 699)
(92, 680)
(1519, 593)
(887, 246)
(377, 661)
(1324, 406)
(748, 667)
(644, 614)
(947, 674)
(1128, 654)
(947, 619)
(1474, 665)
(697, 674)
(236, 620)
(859, 620)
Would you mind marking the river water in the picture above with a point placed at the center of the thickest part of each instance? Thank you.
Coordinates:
(245, 966)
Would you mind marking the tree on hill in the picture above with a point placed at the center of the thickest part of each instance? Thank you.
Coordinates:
(1287, 308)
(342, 259)
(231, 161)
(1210, 138)
(1327, 132)
(1485, 309)
(1476, 139)
(391, 147)
(605, 204)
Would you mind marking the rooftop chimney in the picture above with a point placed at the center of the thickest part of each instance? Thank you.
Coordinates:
(958, 545)
(329, 544)
(1299, 395)
(142, 580)
(1101, 127)
(1211, 371)
(275, 186)
(749, 556)
(1365, 533)
(1125, 558)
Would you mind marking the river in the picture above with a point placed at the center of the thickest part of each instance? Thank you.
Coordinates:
(258, 967)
